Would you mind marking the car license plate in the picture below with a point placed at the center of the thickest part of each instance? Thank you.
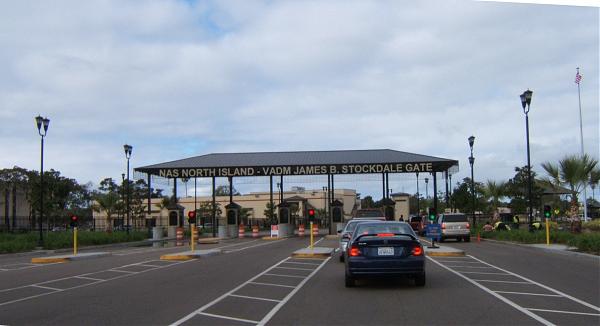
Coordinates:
(385, 251)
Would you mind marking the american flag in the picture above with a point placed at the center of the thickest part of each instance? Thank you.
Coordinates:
(577, 77)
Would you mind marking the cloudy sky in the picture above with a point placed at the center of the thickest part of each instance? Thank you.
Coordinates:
(182, 78)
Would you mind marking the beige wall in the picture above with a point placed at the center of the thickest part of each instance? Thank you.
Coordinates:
(255, 201)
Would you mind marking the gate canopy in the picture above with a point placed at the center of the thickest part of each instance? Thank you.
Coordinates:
(300, 163)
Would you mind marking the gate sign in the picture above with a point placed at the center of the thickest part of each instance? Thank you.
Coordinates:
(433, 231)
(274, 230)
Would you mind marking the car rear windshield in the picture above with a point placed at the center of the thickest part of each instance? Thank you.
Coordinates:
(455, 218)
(384, 227)
(369, 213)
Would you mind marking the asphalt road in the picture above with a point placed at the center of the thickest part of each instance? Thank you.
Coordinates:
(256, 281)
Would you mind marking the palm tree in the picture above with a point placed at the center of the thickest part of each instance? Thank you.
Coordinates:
(572, 172)
(108, 203)
(494, 191)
(594, 180)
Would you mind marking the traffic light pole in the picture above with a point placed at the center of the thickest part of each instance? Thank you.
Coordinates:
(75, 241)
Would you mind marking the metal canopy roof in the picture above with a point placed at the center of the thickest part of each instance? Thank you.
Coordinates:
(299, 163)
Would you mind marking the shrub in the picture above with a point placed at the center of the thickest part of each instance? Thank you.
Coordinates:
(593, 225)
(588, 242)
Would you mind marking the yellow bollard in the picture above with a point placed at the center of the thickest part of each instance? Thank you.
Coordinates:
(192, 244)
(75, 241)
(547, 232)
(311, 236)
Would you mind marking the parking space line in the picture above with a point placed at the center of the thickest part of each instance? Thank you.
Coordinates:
(230, 318)
(293, 262)
(459, 266)
(45, 287)
(543, 286)
(526, 293)
(295, 268)
(88, 278)
(253, 298)
(497, 281)
(282, 275)
(117, 270)
(271, 284)
(564, 312)
(146, 265)
(498, 296)
(487, 273)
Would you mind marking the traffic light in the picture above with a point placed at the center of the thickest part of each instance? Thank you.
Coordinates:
(74, 221)
(547, 211)
(192, 217)
(432, 214)
(311, 215)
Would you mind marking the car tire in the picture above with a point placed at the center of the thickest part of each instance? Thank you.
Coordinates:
(420, 280)
(350, 281)
(459, 239)
(467, 239)
(341, 258)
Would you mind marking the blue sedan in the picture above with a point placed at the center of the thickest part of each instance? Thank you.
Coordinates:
(379, 249)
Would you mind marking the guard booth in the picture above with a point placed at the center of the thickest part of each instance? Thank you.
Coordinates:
(229, 229)
(337, 214)
(283, 210)
(389, 209)
(175, 219)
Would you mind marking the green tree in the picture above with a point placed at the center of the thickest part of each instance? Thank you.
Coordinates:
(270, 218)
(224, 191)
(463, 199)
(517, 191)
(493, 192)
(594, 180)
(367, 202)
(572, 172)
(107, 200)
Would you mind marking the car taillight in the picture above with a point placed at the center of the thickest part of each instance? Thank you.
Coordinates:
(385, 234)
(417, 251)
(443, 225)
(468, 225)
(354, 251)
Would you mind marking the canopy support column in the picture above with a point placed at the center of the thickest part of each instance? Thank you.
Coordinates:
(214, 209)
(435, 197)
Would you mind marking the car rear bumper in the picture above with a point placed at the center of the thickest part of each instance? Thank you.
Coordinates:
(357, 266)
(455, 233)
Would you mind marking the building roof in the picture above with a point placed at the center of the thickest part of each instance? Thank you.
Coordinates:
(302, 162)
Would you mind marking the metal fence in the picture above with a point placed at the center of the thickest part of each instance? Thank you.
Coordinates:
(61, 223)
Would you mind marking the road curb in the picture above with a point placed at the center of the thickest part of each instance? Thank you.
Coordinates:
(208, 240)
(315, 252)
(67, 258)
(189, 255)
(445, 254)
(558, 251)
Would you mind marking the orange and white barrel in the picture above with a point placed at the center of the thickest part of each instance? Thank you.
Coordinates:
(315, 229)
(255, 231)
(301, 230)
(179, 237)
(241, 231)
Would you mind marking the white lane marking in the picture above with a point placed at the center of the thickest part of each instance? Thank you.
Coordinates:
(503, 299)
(543, 286)
(290, 295)
(26, 266)
(4, 270)
(78, 286)
(458, 261)
(527, 293)
(254, 246)
(271, 284)
(253, 298)
(487, 273)
(497, 281)
(564, 312)
(460, 266)
(46, 287)
(88, 278)
(147, 265)
(293, 262)
(230, 318)
(294, 268)
(294, 276)
(210, 304)
(117, 270)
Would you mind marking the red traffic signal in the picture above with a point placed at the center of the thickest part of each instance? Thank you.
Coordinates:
(192, 217)
(74, 221)
(311, 212)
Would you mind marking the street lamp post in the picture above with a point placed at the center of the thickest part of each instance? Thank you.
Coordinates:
(525, 102)
(418, 195)
(426, 188)
(471, 162)
(122, 197)
(127, 149)
(41, 122)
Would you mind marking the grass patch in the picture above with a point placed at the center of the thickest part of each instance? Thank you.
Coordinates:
(587, 242)
(10, 243)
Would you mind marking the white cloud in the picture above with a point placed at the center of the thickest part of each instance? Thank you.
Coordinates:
(177, 79)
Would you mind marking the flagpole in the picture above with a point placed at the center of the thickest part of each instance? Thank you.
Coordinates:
(578, 80)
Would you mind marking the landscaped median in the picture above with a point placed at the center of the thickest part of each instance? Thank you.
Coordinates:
(19, 242)
(587, 241)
